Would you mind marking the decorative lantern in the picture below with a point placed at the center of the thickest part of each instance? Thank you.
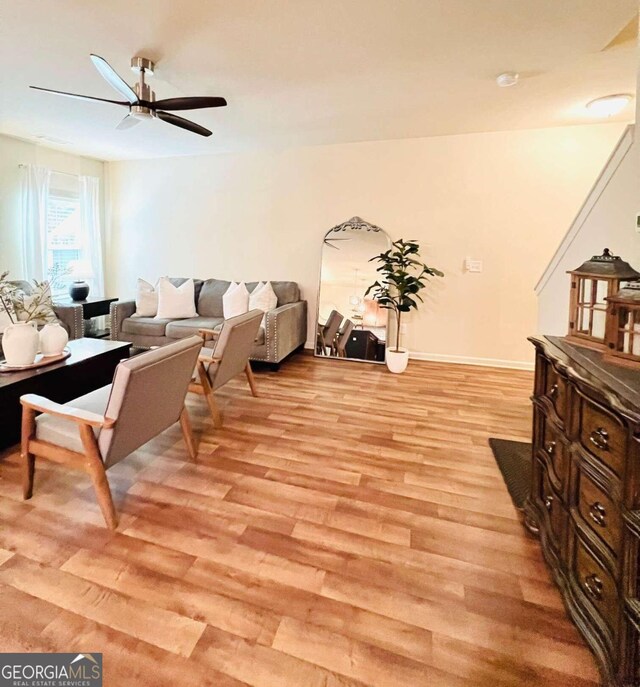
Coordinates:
(591, 284)
(623, 327)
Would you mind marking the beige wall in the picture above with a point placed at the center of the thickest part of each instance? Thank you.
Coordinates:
(607, 221)
(506, 198)
(14, 152)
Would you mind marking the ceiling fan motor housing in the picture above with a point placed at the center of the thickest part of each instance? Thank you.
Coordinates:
(142, 64)
(142, 89)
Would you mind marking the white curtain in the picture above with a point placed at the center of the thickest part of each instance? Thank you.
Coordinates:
(35, 199)
(91, 233)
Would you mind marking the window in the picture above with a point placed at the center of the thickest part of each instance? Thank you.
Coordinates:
(61, 234)
(64, 240)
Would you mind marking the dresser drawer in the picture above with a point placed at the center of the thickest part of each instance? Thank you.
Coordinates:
(556, 449)
(553, 506)
(603, 434)
(555, 389)
(597, 585)
(599, 511)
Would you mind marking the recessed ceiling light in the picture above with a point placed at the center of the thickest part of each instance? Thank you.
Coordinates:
(507, 79)
(609, 105)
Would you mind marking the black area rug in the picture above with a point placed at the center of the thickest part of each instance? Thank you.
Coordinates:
(514, 461)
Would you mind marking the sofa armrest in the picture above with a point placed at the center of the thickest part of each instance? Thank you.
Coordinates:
(70, 317)
(118, 312)
(285, 330)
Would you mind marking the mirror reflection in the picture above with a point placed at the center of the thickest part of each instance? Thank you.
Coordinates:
(349, 324)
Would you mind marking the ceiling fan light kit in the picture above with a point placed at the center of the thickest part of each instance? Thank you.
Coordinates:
(141, 100)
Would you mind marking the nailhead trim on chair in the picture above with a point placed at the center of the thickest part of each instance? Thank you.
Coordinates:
(115, 325)
(78, 322)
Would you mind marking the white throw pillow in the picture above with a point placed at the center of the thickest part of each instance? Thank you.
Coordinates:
(235, 300)
(176, 302)
(146, 299)
(264, 298)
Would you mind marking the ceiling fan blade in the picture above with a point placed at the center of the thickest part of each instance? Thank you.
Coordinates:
(79, 97)
(182, 123)
(128, 122)
(111, 76)
(194, 103)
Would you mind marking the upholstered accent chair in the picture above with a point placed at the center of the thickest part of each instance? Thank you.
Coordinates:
(97, 430)
(228, 358)
(327, 333)
(343, 338)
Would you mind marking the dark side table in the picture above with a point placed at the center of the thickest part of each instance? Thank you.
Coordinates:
(92, 307)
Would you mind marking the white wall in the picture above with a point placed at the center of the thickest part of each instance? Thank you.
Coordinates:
(506, 198)
(14, 152)
(606, 221)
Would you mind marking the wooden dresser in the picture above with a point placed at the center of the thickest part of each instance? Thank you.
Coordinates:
(585, 496)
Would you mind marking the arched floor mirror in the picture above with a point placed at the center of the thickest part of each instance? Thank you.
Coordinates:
(349, 325)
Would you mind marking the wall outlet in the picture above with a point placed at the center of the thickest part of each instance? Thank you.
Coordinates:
(472, 265)
(403, 329)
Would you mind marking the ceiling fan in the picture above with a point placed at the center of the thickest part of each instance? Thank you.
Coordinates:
(141, 100)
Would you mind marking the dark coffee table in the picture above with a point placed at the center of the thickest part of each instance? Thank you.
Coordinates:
(89, 367)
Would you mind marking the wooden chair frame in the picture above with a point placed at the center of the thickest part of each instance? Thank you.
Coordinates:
(203, 385)
(90, 461)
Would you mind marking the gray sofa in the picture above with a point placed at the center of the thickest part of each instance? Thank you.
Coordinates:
(69, 316)
(285, 327)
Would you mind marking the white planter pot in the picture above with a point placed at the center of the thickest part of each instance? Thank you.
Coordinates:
(397, 360)
(20, 344)
(53, 339)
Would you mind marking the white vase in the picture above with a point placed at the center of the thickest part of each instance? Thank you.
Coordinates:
(397, 360)
(20, 344)
(53, 339)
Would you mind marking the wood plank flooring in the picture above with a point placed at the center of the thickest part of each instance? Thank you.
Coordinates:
(347, 528)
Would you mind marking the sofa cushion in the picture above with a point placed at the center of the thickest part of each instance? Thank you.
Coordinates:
(179, 329)
(286, 291)
(145, 326)
(210, 300)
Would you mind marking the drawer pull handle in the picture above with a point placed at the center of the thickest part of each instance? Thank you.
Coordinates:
(600, 438)
(593, 585)
(553, 391)
(548, 503)
(598, 514)
(550, 447)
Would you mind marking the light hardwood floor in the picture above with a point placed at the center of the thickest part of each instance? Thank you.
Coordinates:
(349, 527)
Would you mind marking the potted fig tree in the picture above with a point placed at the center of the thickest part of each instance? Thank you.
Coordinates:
(402, 276)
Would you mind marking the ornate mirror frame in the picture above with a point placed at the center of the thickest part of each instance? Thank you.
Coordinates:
(355, 223)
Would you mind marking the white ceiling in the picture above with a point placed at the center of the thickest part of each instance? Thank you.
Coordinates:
(306, 72)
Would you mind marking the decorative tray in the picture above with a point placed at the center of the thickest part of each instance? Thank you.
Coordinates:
(40, 361)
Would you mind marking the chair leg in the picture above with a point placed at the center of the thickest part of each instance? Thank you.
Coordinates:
(95, 468)
(251, 379)
(187, 433)
(28, 459)
(216, 416)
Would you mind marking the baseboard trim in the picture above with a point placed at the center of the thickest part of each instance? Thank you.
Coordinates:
(463, 360)
(466, 360)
